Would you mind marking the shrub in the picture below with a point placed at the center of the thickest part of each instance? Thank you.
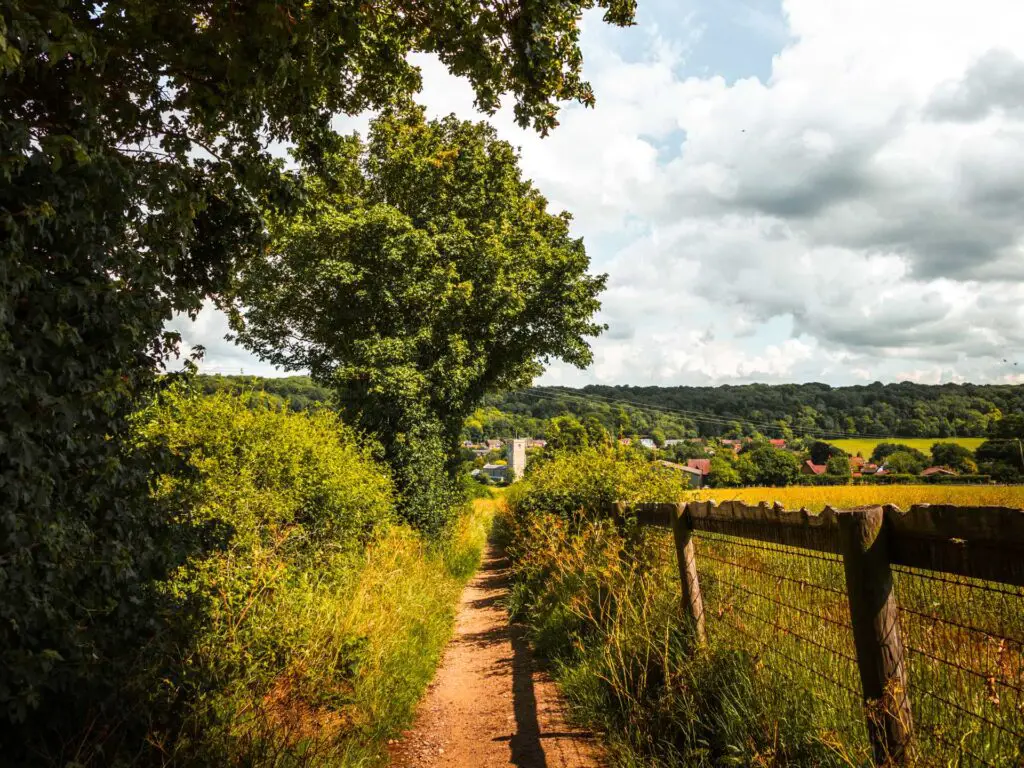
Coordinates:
(289, 501)
(584, 482)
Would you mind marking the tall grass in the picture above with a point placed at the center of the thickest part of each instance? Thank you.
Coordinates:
(363, 639)
(612, 627)
(777, 682)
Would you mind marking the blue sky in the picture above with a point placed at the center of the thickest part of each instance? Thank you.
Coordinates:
(792, 190)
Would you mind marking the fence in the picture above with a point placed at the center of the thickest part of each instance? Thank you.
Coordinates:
(908, 623)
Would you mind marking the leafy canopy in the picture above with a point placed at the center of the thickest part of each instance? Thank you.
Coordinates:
(422, 273)
(135, 174)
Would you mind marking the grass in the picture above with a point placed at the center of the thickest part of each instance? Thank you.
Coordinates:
(777, 683)
(864, 447)
(364, 639)
(612, 627)
(815, 498)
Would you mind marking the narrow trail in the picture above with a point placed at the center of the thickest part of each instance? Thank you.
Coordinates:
(489, 705)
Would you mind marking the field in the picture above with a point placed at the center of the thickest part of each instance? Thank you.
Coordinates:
(839, 496)
(864, 447)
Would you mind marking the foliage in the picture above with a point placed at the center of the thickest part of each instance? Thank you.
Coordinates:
(581, 483)
(905, 462)
(883, 451)
(767, 466)
(383, 618)
(610, 625)
(423, 273)
(784, 411)
(135, 168)
(566, 433)
(954, 456)
(821, 452)
(1002, 455)
(723, 474)
(838, 466)
(299, 392)
(686, 450)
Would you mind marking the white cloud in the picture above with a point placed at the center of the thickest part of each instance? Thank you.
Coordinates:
(854, 216)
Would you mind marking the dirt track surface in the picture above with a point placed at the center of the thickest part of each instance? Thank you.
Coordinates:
(489, 705)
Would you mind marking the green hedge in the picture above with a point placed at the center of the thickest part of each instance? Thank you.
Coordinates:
(574, 483)
(271, 511)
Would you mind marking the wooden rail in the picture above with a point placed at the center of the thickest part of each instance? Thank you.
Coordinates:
(977, 542)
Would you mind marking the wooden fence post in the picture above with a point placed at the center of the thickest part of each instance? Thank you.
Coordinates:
(693, 604)
(874, 615)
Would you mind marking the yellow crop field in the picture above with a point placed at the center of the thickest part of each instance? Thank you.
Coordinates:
(815, 498)
(924, 444)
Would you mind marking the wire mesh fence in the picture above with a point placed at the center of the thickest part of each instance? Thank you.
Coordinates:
(964, 645)
(787, 606)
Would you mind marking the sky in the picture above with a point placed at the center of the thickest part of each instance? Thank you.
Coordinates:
(782, 191)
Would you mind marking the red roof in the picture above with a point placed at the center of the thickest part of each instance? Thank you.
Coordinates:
(856, 461)
(937, 471)
(702, 465)
(778, 443)
(817, 469)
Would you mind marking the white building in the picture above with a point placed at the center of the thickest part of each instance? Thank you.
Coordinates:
(517, 458)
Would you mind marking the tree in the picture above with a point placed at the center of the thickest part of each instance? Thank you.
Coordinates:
(882, 452)
(686, 450)
(658, 436)
(1002, 455)
(838, 466)
(566, 433)
(623, 424)
(136, 172)
(771, 467)
(723, 474)
(905, 462)
(821, 452)
(422, 274)
(954, 456)
(596, 432)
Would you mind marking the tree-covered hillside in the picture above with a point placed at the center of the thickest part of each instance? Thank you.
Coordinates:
(904, 409)
(787, 410)
(300, 392)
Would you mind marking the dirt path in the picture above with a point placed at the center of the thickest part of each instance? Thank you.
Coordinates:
(489, 705)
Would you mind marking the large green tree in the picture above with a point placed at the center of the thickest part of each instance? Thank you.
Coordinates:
(423, 273)
(135, 171)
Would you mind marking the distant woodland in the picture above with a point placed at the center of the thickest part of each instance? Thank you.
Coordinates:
(785, 410)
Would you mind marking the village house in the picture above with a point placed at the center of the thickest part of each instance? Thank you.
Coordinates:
(701, 465)
(495, 472)
(937, 471)
(810, 468)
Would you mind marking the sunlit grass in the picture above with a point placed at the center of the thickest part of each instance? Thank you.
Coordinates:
(864, 447)
(815, 498)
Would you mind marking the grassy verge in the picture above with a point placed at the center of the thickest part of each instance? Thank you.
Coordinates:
(611, 627)
(362, 640)
(404, 604)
